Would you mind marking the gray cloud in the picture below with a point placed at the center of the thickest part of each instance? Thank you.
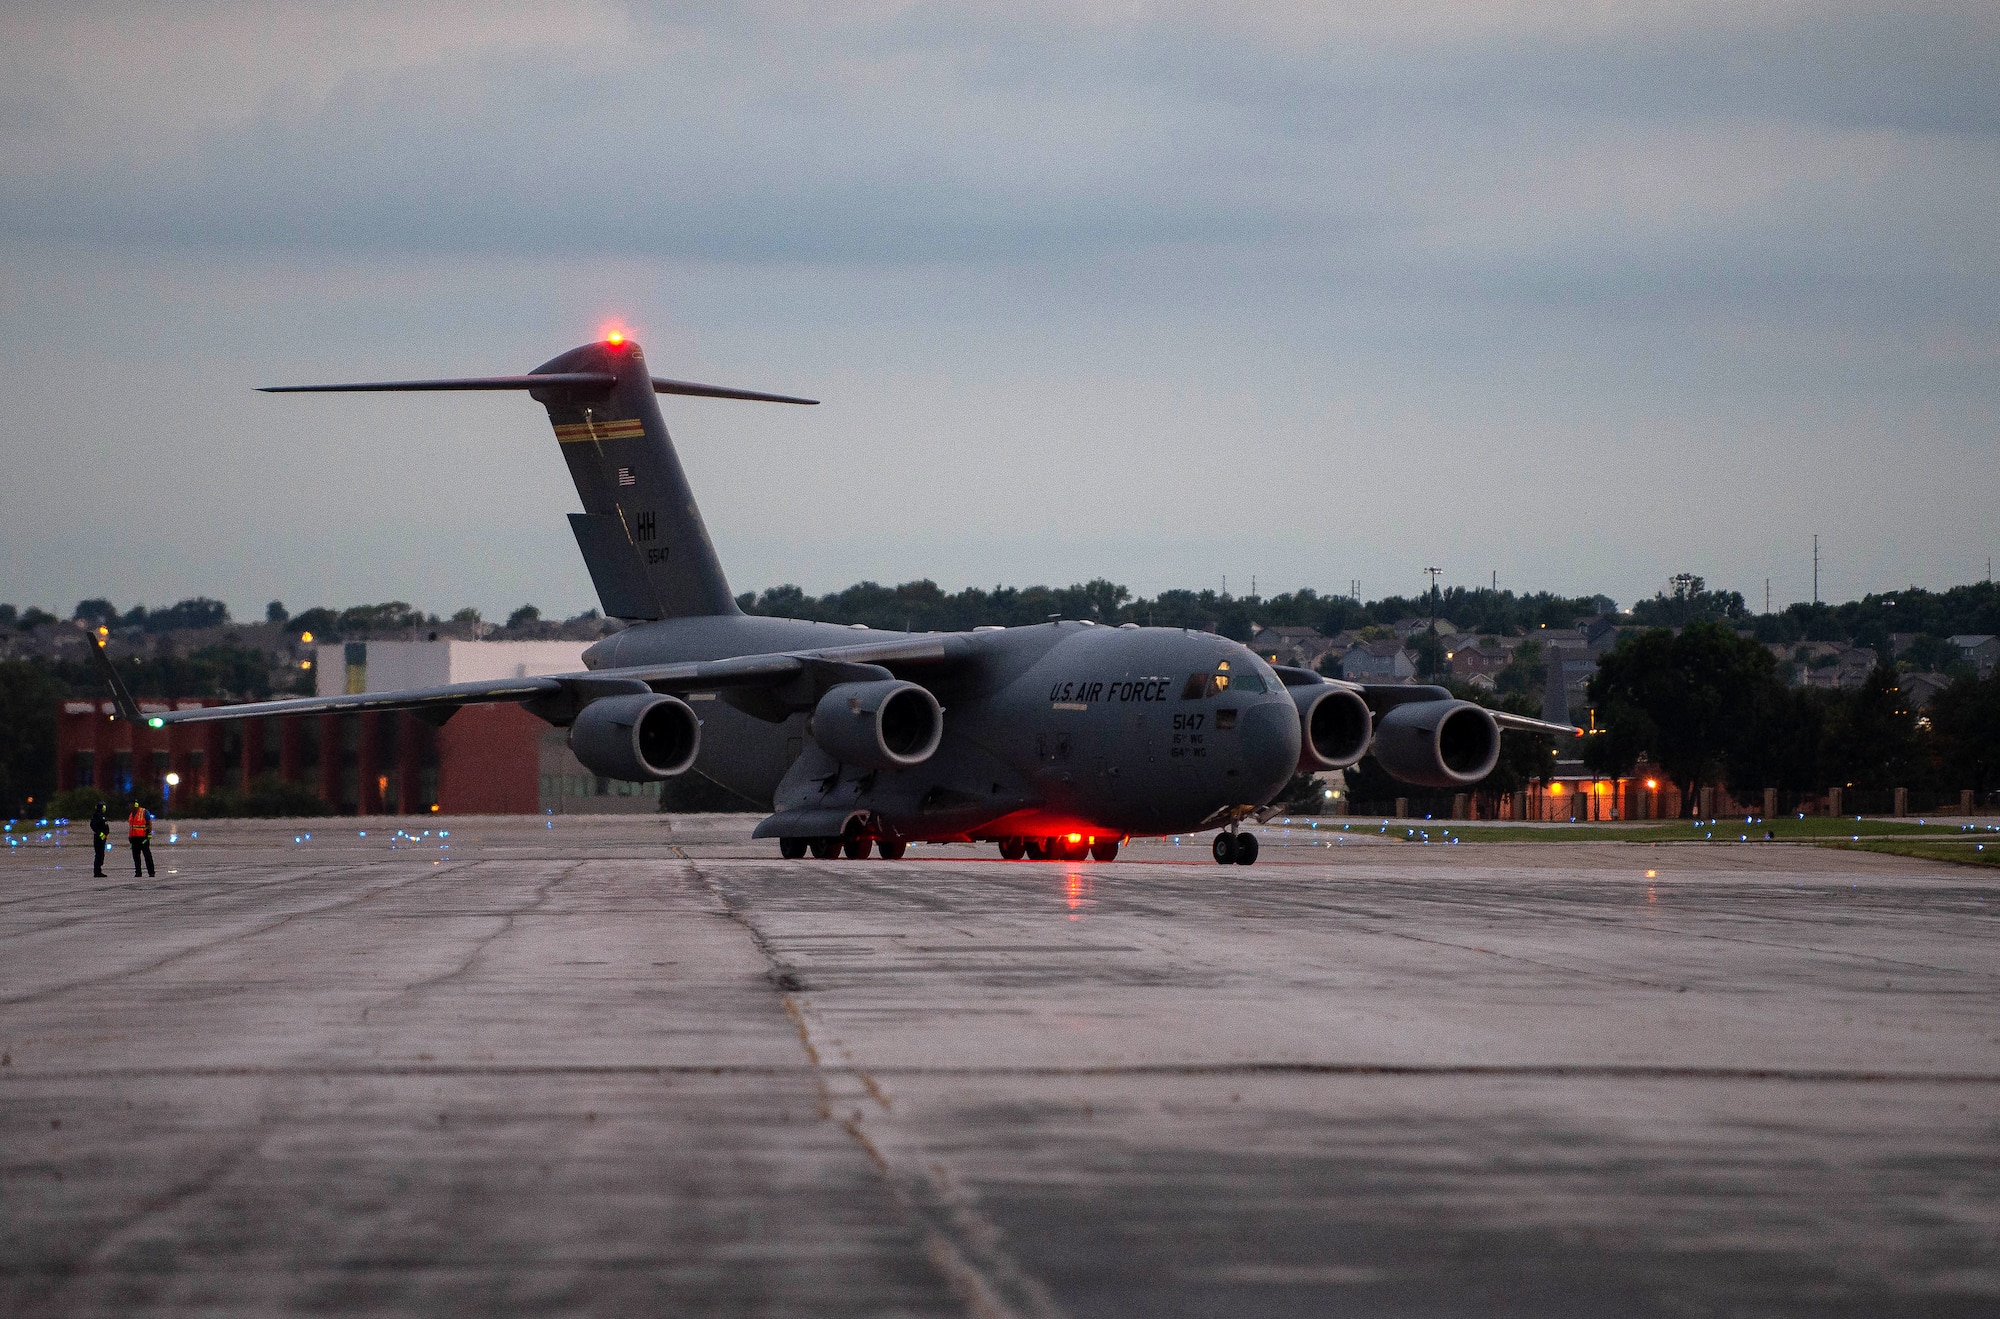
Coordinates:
(1474, 233)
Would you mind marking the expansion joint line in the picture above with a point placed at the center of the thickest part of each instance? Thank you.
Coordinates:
(965, 1246)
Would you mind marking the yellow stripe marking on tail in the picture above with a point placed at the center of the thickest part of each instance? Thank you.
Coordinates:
(589, 432)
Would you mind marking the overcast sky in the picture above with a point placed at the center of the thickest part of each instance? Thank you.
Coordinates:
(1584, 294)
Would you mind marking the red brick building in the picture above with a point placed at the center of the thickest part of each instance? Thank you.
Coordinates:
(486, 760)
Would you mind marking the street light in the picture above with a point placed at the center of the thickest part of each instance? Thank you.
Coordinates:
(173, 780)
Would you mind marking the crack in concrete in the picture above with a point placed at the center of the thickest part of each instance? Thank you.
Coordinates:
(481, 944)
(966, 1248)
(125, 973)
(872, 1076)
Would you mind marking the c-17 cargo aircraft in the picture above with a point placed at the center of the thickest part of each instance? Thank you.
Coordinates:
(1055, 741)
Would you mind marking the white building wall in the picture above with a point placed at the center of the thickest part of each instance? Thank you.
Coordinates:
(396, 665)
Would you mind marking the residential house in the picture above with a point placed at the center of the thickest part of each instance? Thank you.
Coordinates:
(1833, 664)
(1479, 657)
(1378, 661)
(1303, 647)
(1918, 688)
(1981, 652)
(1410, 627)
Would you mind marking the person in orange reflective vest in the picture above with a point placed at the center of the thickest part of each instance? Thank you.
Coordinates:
(140, 827)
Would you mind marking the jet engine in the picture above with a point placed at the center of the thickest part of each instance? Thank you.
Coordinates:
(1437, 744)
(1333, 726)
(887, 724)
(639, 738)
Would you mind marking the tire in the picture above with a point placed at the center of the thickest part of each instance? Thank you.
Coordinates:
(892, 849)
(1246, 849)
(1068, 850)
(791, 848)
(1013, 849)
(1224, 849)
(1104, 849)
(826, 849)
(856, 847)
(1032, 849)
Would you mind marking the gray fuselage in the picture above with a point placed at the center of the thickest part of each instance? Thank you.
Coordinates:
(1051, 728)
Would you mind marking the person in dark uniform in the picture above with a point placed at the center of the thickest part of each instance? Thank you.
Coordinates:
(100, 838)
(140, 827)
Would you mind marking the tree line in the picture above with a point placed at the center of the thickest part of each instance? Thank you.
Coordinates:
(1706, 705)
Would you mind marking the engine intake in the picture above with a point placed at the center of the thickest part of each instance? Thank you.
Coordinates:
(1438, 744)
(887, 724)
(1334, 727)
(636, 738)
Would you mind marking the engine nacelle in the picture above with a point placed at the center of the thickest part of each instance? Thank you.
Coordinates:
(1334, 727)
(1438, 744)
(637, 738)
(887, 724)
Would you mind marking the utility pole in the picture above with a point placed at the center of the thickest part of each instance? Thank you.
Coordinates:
(1496, 577)
(1767, 595)
(1354, 589)
(1815, 567)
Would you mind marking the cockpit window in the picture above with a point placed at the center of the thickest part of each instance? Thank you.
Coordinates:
(1241, 681)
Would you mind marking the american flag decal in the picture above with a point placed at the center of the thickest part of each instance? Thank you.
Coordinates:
(625, 477)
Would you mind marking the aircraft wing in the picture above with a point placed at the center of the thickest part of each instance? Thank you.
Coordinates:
(1383, 696)
(1520, 723)
(561, 694)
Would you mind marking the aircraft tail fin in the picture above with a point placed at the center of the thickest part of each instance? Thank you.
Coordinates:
(641, 536)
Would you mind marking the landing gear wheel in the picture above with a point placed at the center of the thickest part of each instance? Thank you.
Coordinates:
(892, 849)
(791, 848)
(1013, 849)
(1104, 849)
(1070, 849)
(1246, 849)
(1032, 849)
(856, 847)
(1225, 849)
(826, 849)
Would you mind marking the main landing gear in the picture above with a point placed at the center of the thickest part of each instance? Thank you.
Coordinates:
(1235, 849)
(1061, 847)
(853, 846)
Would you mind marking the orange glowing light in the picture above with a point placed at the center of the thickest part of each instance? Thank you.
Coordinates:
(615, 338)
(1652, 783)
(1076, 838)
(1555, 790)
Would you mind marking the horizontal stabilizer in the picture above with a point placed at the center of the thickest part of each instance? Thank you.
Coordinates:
(693, 390)
(562, 380)
(578, 380)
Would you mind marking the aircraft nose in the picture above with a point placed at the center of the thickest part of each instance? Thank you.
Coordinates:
(1269, 736)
